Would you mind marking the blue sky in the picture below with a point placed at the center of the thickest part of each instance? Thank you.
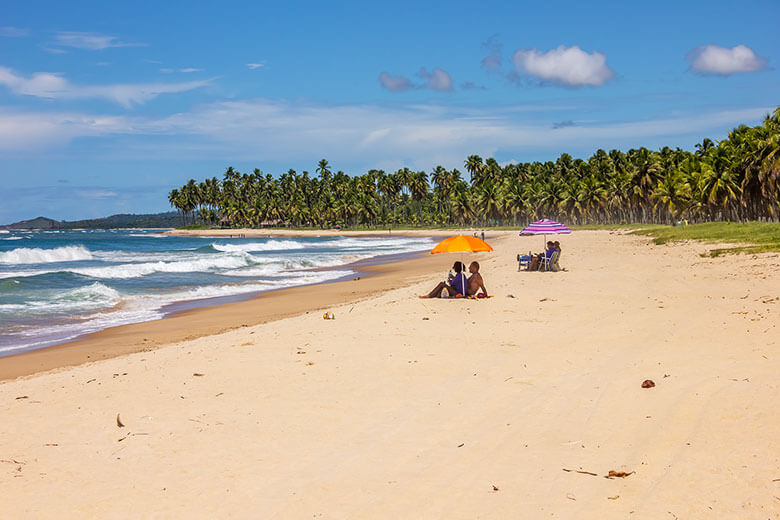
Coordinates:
(105, 108)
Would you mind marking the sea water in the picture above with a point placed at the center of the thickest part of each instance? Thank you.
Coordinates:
(58, 285)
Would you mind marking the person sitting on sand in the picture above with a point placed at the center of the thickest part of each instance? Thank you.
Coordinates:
(455, 287)
(475, 282)
(537, 259)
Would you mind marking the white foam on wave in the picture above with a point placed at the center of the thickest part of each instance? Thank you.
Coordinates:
(137, 270)
(4, 231)
(21, 274)
(136, 309)
(43, 336)
(273, 266)
(271, 245)
(377, 246)
(13, 238)
(80, 299)
(148, 264)
(119, 257)
(288, 280)
(24, 255)
(368, 243)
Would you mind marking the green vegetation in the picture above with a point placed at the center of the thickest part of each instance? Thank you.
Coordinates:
(758, 237)
(36, 223)
(168, 219)
(157, 220)
(737, 179)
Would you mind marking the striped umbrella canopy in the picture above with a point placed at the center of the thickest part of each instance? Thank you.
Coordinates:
(545, 227)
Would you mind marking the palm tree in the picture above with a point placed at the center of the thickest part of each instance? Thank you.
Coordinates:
(475, 168)
(672, 194)
(175, 199)
(418, 188)
(488, 200)
(720, 185)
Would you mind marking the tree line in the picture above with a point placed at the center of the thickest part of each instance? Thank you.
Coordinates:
(736, 179)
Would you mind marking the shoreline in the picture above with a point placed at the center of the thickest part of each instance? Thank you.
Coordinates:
(185, 321)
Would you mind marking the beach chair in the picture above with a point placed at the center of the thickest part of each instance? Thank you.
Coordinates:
(524, 261)
(554, 265)
(551, 264)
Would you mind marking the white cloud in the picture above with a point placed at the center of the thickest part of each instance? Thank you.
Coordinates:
(90, 41)
(167, 70)
(712, 59)
(96, 194)
(389, 137)
(38, 131)
(395, 83)
(254, 66)
(437, 79)
(13, 32)
(568, 66)
(54, 50)
(55, 86)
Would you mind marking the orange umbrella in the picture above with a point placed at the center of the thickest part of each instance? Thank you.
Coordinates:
(461, 244)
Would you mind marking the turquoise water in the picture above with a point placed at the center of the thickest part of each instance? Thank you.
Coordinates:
(58, 285)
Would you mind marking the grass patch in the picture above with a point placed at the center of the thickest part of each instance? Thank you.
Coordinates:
(757, 237)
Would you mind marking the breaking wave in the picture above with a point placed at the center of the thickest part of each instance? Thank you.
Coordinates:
(24, 255)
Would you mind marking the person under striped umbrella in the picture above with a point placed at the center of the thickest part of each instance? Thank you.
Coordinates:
(541, 227)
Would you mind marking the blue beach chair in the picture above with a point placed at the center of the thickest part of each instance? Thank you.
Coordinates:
(524, 260)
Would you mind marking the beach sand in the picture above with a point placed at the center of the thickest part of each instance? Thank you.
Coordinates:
(409, 408)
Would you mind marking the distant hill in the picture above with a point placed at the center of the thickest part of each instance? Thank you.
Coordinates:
(168, 219)
(36, 223)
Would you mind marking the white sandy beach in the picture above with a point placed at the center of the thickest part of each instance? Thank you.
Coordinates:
(409, 408)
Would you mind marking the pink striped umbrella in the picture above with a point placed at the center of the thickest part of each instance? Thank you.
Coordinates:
(545, 227)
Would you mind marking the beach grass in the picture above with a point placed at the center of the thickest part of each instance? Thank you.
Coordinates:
(742, 237)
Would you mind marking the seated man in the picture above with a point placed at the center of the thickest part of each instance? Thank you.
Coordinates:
(456, 286)
(536, 260)
(475, 281)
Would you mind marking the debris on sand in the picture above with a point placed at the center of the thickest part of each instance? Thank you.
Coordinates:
(617, 474)
(583, 472)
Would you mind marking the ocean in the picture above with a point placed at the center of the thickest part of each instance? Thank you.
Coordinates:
(58, 285)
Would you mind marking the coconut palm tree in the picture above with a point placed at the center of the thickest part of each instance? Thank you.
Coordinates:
(418, 189)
